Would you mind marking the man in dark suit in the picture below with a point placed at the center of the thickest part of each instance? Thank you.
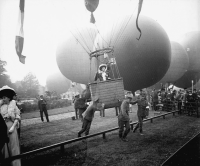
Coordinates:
(42, 104)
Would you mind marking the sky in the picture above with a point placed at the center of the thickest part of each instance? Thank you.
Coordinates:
(47, 20)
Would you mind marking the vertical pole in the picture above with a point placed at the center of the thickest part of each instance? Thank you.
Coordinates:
(192, 86)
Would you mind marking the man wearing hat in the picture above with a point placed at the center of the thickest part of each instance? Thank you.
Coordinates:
(88, 116)
(42, 104)
(123, 118)
(141, 112)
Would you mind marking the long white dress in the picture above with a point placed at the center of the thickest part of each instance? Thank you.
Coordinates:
(10, 112)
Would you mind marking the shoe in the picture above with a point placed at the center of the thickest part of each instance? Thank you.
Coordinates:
(134, 130)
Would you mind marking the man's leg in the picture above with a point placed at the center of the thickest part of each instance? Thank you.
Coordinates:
(76, 113)
(88, 127)
(127, 130)
(41, 115)
(140, 119)
(46, 114)
(121, 128)
(80, 111)
(84, 126)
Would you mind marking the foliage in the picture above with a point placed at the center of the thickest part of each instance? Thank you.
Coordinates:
(4, 78)
(51, 104)
(29, 86)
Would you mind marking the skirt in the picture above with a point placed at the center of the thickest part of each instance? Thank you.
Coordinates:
(13, 147)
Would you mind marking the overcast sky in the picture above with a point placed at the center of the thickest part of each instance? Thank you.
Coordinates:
(46, 20)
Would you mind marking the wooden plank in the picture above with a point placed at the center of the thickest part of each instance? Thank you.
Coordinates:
(109, 95)
(113, 89)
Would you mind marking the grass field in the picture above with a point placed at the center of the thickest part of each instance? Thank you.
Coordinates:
(161, 139)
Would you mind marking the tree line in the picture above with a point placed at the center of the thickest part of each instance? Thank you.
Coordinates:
(28, 87)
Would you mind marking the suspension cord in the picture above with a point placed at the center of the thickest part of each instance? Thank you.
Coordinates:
(79, 42)
(121, 32)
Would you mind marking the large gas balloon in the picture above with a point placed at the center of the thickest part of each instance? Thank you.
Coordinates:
(141, 63)
(179, 64)
(58, 83)
(189, 78)
(73, 57)
(191, 43)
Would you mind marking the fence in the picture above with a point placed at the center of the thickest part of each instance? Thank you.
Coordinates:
(62, 144)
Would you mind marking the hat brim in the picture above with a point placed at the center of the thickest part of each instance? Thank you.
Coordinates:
(7, 93)
(101, 66)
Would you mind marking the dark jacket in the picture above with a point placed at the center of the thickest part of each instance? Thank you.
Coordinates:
(124, 112)
(41, 104)
(4, 137)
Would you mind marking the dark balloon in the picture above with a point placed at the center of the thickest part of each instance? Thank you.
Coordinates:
(91, 5)
(57, 82)
(191, 43)
(141, 63)
(179, 64)
(186, 80)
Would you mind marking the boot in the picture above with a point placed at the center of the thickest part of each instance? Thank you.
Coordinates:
(135, 128)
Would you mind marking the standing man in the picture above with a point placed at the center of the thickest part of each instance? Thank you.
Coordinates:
(155, 99)
(75, 101)
(88, 116)
(42, 104)
(141, 112)
(123, 118)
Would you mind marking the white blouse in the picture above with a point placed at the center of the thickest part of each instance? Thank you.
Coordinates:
(10, 110)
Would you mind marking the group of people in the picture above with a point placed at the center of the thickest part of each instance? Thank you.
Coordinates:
(123, 117)
(170, 98)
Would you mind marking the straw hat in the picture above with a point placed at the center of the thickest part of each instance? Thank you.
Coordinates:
(101, 66)
(7, 91)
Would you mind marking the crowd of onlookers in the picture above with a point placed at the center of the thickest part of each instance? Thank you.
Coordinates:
(174, 99)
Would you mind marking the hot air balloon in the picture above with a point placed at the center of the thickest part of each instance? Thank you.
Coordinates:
(73, 58)
(140, 63)
(191, 43)
(58, 83)
(91, 6)
(190, 77)
(178, 66)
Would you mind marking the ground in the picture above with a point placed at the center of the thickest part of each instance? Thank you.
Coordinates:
(161, 138)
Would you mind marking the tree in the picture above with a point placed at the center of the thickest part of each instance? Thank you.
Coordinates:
(4, 78)
(29, 86)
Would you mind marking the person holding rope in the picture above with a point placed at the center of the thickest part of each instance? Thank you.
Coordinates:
(11, 115)
(88, 116)
(141, 112)
(123, 118)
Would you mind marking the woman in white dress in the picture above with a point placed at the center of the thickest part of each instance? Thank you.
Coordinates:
(11, 115)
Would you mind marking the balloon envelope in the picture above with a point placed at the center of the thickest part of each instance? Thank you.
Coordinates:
(141, 63)
(179, 64)
(186, 80)
(73, 58)
(91, 5)
(57, 82)
(191, 43)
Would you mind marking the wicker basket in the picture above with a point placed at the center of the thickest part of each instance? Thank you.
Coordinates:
(110, 92)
